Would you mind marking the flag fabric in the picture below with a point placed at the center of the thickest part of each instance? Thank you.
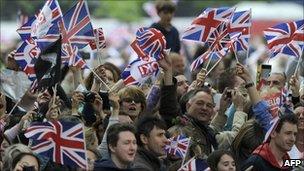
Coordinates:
(206, 23)
(199, 61)
(76, 28)
(26, 56)
(214, 55)
(240, 22)
(48, 66)
(25, 30)
(43, 27)
(274, 122)
(149, 43)
(99, 41)
(219, 38)
(139, 71)
(195, 165)
(178, 146)
(62, 142)
(295, 47)
(282, 34)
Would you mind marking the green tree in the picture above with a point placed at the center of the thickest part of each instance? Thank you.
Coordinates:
(125, 11)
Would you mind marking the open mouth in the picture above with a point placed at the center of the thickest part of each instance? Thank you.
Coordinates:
(132, 108)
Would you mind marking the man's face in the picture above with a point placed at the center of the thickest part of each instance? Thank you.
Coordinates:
(178, 64)
(182, 85)
(286, 138)
(201, 106)
(126, 147)
(156, 142)
(276, 80)
(299, 111)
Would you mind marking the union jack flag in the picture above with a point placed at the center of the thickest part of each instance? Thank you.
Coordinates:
(213, 55)
(219, 38)
(63, 142)
(282, 34)
(178, 146)
(240, 22)
(295, 47)
(206, 23)
(44, 25)
(149, 43)
(26, 56)
(195, 165)
(76, 30)
(139, 71)
(99, 39)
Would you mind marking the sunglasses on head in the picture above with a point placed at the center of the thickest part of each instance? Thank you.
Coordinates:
(130, 100)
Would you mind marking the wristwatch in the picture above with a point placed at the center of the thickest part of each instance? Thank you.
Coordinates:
(248, 85)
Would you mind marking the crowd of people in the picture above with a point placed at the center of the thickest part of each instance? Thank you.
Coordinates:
(229, 120)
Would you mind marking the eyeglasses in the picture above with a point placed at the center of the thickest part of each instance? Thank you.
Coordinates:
(130, 100)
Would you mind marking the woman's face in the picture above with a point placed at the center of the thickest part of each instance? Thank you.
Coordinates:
(226, 163)
(110, 77)
(131, 107)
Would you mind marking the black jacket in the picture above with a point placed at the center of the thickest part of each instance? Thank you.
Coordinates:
(260, 164)
(147, 161)
(172, 37)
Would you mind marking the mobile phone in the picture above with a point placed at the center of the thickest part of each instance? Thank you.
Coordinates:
(265, 71)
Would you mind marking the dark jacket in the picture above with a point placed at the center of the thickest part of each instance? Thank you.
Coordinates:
(107, 165)
(172, 37)
(147, 161)
(169, 107)
(263, 159)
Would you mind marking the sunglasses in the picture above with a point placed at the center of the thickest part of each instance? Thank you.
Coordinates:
(130, 100)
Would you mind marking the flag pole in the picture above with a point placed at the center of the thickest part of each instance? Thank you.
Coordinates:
(213, 66)
(247, 54)
(299, 61)
(17, 103)
(235, 54)
(99, 78)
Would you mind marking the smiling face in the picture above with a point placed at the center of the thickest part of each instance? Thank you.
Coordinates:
(286, 138)
(226, 163)
(299, 111)
(200, 106)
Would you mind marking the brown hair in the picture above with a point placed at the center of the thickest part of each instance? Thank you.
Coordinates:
(134, 92)
(108, 66)
(165, 5)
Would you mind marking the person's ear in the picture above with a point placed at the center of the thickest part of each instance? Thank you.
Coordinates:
(188, 105)
(112, 149)
(144, 139)
(273, 134)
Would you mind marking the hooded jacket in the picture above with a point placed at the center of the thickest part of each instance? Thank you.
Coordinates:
(263, 159)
